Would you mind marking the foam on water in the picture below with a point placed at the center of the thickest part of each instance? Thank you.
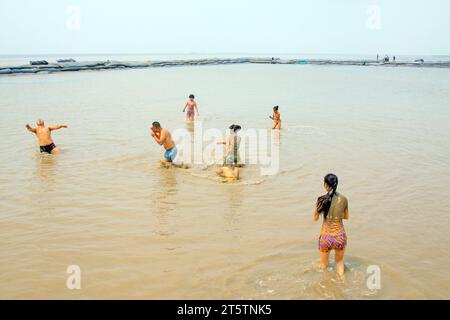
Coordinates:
(272, 277)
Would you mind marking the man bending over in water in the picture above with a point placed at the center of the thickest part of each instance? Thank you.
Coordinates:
(164, 138)
(44, 136)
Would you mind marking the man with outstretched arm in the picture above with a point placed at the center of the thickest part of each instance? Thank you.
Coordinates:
(44, 136)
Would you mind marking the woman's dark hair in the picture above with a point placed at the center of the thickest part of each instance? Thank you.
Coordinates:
(235, 127)
(191, 96)
(156, 124)
(324, 202)
(276, 108)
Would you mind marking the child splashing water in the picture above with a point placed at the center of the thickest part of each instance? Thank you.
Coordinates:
(190, 108)
(334, 208)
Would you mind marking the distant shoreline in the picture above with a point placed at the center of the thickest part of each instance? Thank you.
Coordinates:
(52, 67)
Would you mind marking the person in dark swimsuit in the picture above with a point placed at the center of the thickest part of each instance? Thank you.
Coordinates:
(44, 136)
(47, 148)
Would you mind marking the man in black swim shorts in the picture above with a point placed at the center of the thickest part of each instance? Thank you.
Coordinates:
(44, 136)
(48, 148)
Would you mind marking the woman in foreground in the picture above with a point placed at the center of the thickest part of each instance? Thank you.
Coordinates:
(334, 208)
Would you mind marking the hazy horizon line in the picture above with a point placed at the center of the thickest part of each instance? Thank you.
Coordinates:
(210, 53)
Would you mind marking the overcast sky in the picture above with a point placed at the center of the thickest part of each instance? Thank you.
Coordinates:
(225, 26)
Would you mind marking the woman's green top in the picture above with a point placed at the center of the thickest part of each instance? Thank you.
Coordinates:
(337, 208)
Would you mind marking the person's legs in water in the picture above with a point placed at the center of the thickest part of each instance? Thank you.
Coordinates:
(190, 115)
(324, 259)
(339, 258)
(170, 155)
(324, 247)
(277, 124)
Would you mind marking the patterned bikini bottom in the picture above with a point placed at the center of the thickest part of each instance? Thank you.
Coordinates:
(332, 236)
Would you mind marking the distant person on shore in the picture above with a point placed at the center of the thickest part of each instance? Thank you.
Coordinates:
(230, 167)
(44, 136)
(164, 138)
(276, 117)
(334, 208)
(378, 57)
(393, 58)
(190, 108)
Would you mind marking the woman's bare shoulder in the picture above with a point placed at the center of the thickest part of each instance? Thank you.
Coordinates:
(342, 198)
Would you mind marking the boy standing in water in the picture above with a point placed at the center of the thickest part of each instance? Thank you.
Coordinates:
(191, 107)
(164, 138)
(44, 136)
(276, 117)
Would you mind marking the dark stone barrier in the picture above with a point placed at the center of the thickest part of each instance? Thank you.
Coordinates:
(70, 65)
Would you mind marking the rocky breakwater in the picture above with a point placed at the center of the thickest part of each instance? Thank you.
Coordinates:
(373, 63)
(69, 65)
